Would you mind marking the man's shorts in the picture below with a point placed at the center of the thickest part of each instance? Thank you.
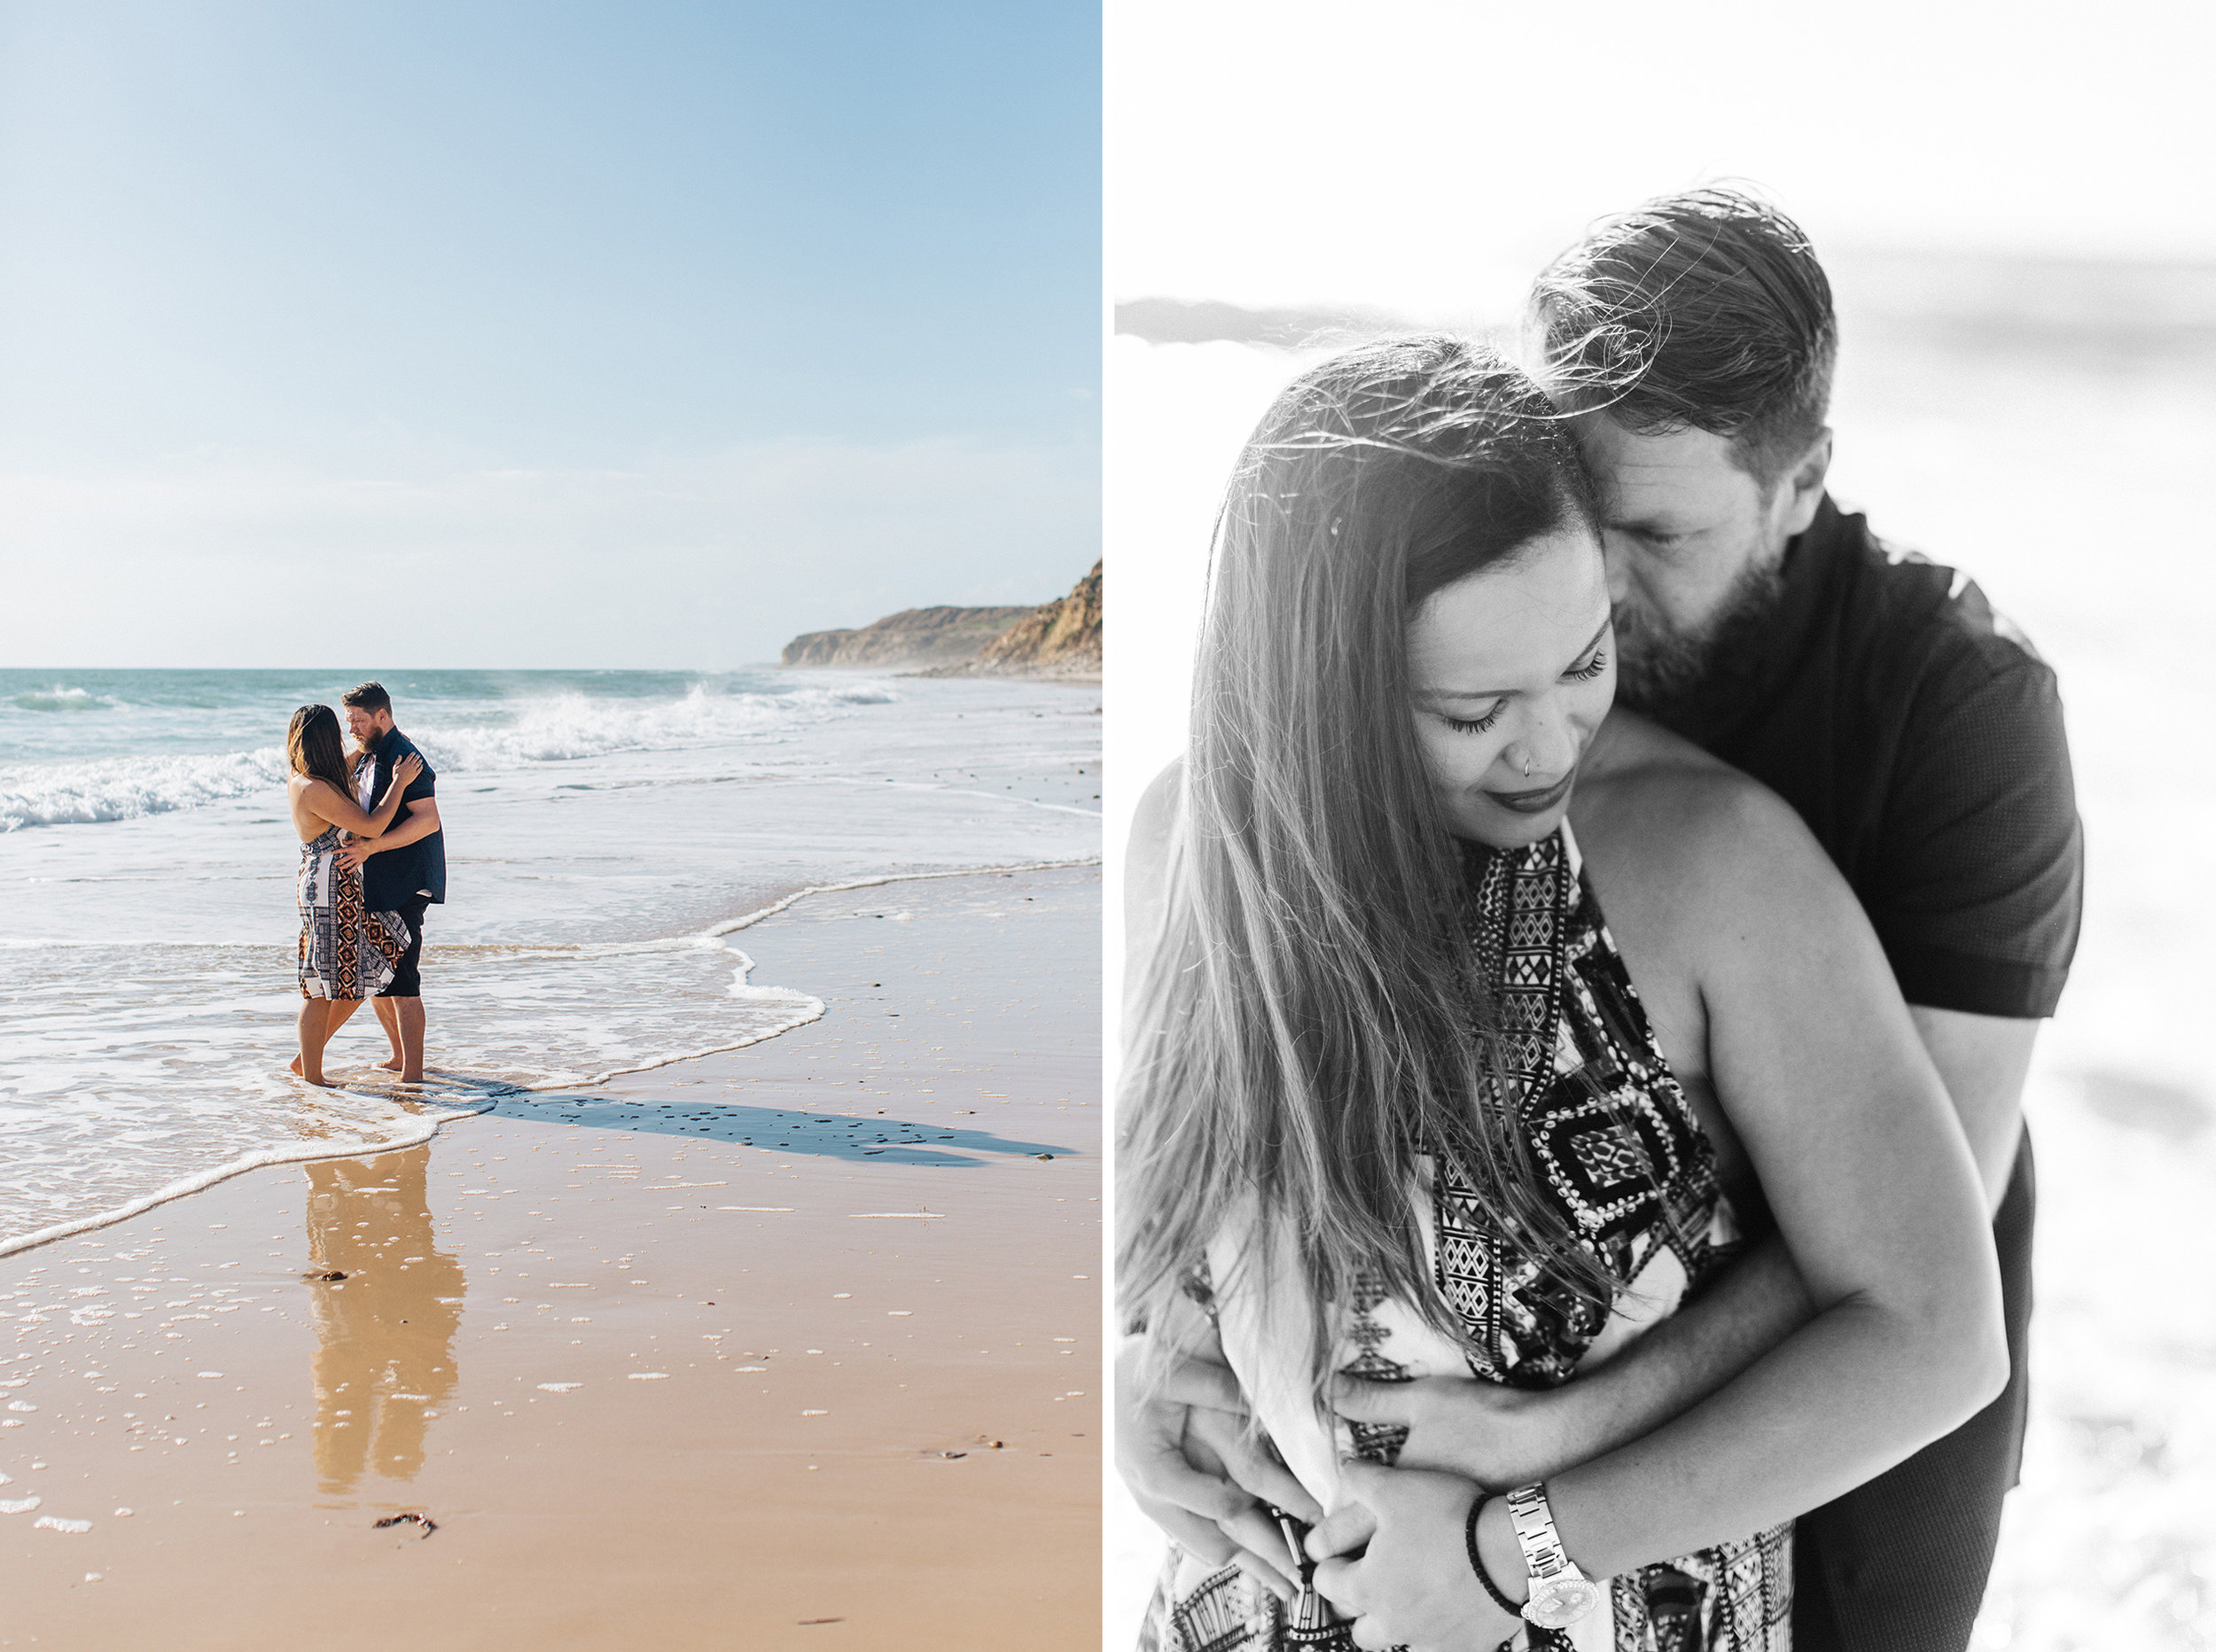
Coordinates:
(407, 982)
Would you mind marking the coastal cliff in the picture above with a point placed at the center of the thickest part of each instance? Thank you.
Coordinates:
(915, 636)
(1058, 639)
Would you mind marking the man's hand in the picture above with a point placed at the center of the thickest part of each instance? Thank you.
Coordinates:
(1412, 1586)
(1193, 1466)
(1498, 1437)
(352, 854)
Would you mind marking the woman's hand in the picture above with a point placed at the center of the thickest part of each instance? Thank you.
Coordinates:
(1411, 1584)
(1192, 1462)
(404, 773)
(1498, 1437)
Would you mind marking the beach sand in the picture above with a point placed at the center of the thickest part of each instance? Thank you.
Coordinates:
(678, 1362)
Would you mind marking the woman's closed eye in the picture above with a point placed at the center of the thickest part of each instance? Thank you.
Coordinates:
(1591, 666)
(1464, 725)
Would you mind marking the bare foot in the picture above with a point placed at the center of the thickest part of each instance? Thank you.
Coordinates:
(393, 1066)
(296, 1066)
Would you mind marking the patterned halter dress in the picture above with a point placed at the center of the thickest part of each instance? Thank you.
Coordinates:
(346, 950)
(1626, 1162)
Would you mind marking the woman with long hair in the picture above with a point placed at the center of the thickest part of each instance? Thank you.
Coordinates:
(346, 952)
(1400, 1105)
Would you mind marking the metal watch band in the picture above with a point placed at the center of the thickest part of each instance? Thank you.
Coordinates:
(1534, 1519)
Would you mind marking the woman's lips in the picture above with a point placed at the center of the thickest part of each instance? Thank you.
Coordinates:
(1534, 802)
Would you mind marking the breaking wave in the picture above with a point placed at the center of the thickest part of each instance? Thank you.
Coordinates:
(122, 789)
(572, 726)
(510, 735)
(60, 698)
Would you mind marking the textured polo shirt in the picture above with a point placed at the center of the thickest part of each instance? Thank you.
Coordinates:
(1920, 735)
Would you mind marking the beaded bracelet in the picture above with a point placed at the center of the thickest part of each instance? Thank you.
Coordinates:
(1477, 1562)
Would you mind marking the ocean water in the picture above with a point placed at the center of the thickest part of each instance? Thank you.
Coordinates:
(608, 834)
(2050, 438)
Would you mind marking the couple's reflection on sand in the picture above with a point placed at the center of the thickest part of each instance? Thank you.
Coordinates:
(385, 1333)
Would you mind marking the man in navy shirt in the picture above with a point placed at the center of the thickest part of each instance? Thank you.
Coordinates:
(402, 871)
(1915, 731)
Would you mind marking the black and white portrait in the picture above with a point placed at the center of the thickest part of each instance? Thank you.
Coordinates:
(1656, 725)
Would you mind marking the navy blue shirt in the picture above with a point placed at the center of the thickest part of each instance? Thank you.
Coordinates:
(397, 876)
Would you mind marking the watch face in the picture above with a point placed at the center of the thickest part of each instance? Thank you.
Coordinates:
(1558, 1602)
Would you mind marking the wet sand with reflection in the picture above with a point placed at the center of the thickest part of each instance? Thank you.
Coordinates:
(792, 1346)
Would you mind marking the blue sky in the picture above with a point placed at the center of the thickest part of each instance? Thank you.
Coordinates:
(549, 334)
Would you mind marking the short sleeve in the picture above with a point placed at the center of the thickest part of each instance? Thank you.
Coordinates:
(424, 785)
(1980, 882)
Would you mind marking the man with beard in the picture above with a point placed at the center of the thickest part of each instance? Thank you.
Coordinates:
(402, 871)
(1920, 737)
(1917, 734)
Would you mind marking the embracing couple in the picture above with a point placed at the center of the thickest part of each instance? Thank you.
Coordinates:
(372, 862)
(1572, 1188)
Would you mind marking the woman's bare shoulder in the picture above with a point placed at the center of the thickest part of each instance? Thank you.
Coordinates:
(1146, 872)
(1154, 823)
(1690, 824)
(1147, 854)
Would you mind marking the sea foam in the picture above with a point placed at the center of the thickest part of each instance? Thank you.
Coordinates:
(604, 832)
(120, 789)
(562, 728)
(62, 697)
(131, 1075)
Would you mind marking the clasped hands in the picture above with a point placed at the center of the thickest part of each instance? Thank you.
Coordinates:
(1391, 1556)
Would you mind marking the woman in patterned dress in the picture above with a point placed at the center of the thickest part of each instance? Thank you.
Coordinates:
(346, 954)
(1402, 1106)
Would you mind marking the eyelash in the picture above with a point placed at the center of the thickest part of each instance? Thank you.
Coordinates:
(1582, 674)
(1461, 726)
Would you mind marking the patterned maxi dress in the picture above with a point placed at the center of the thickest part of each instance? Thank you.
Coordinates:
(345, 952)
(1626, 1161)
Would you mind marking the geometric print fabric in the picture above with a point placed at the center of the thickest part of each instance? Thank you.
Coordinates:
(345, 951)
(1623, 1159)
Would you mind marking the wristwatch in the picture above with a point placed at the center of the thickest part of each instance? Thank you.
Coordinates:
(1560, 1593)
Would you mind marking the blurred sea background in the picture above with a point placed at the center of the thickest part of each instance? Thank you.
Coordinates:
(2043, 425)
(603, 830)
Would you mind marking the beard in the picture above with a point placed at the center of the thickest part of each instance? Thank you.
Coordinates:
(372, 741)
(1661, 672)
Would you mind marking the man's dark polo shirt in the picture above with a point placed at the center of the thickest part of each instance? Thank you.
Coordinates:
(1921, 739)
(393, 879)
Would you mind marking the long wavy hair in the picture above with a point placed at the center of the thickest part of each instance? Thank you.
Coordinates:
(313, 746)
(1313, 1020)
